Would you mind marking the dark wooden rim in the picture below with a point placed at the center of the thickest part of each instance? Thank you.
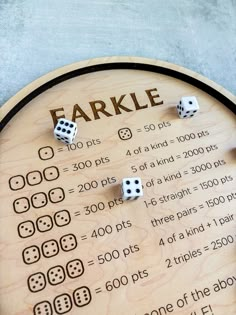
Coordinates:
(120, 66)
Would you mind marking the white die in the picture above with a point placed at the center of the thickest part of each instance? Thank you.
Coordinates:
(187, 106)
(131, 188)
(65, 131)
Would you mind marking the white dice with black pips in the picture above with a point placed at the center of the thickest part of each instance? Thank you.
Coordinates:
(131, 188)
(65, 131)
(187, 107)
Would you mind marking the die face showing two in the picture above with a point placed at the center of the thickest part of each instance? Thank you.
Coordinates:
(131, 188)
(187, 107)
(65, 131)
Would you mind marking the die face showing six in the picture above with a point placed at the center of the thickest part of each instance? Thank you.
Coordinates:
(82, 296)
(36, 282)
(187, 107)
(75, 268)
(62, 304)
(65, 131)
(43, 308)
(56, 275)
(131, 188)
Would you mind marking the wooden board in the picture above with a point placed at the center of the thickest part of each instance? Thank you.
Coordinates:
(69, 244)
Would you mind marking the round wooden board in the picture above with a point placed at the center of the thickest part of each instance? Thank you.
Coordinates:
(69, 243)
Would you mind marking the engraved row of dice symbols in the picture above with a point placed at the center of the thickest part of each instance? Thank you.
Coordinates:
(33, 178)
(39, 200)
(43, 223)
(49, 249)
(63, 303)
(55, 275)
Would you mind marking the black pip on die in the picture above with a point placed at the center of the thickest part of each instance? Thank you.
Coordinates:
(187, 107)
(65, 131)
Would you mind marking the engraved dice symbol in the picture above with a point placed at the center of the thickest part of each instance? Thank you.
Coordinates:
(36, 282)
(43, 308)
(26, 229)
(50, 248)
(56, 195)
(16, 182)
(62, 218)
(46, 153)
(131, 188)
(56, 275)
(75, 268)
(31, 255)
(62, 304)
(44, 223)
(21, 205)
(68, 242)
(125, 133)
(39, 200)
(34, 178)
(82, 296)
(51, 173)
(187, 107)
(65, 131)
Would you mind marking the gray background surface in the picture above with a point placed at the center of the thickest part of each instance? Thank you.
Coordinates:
(37, 36)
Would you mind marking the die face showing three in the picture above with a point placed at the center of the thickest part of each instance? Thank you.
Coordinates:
(131, 188)
(187, 107)
(44, 223)
(62, 218)
(65, 131)
(26, 229)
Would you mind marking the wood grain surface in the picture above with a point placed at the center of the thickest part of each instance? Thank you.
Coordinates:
(69, 242)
